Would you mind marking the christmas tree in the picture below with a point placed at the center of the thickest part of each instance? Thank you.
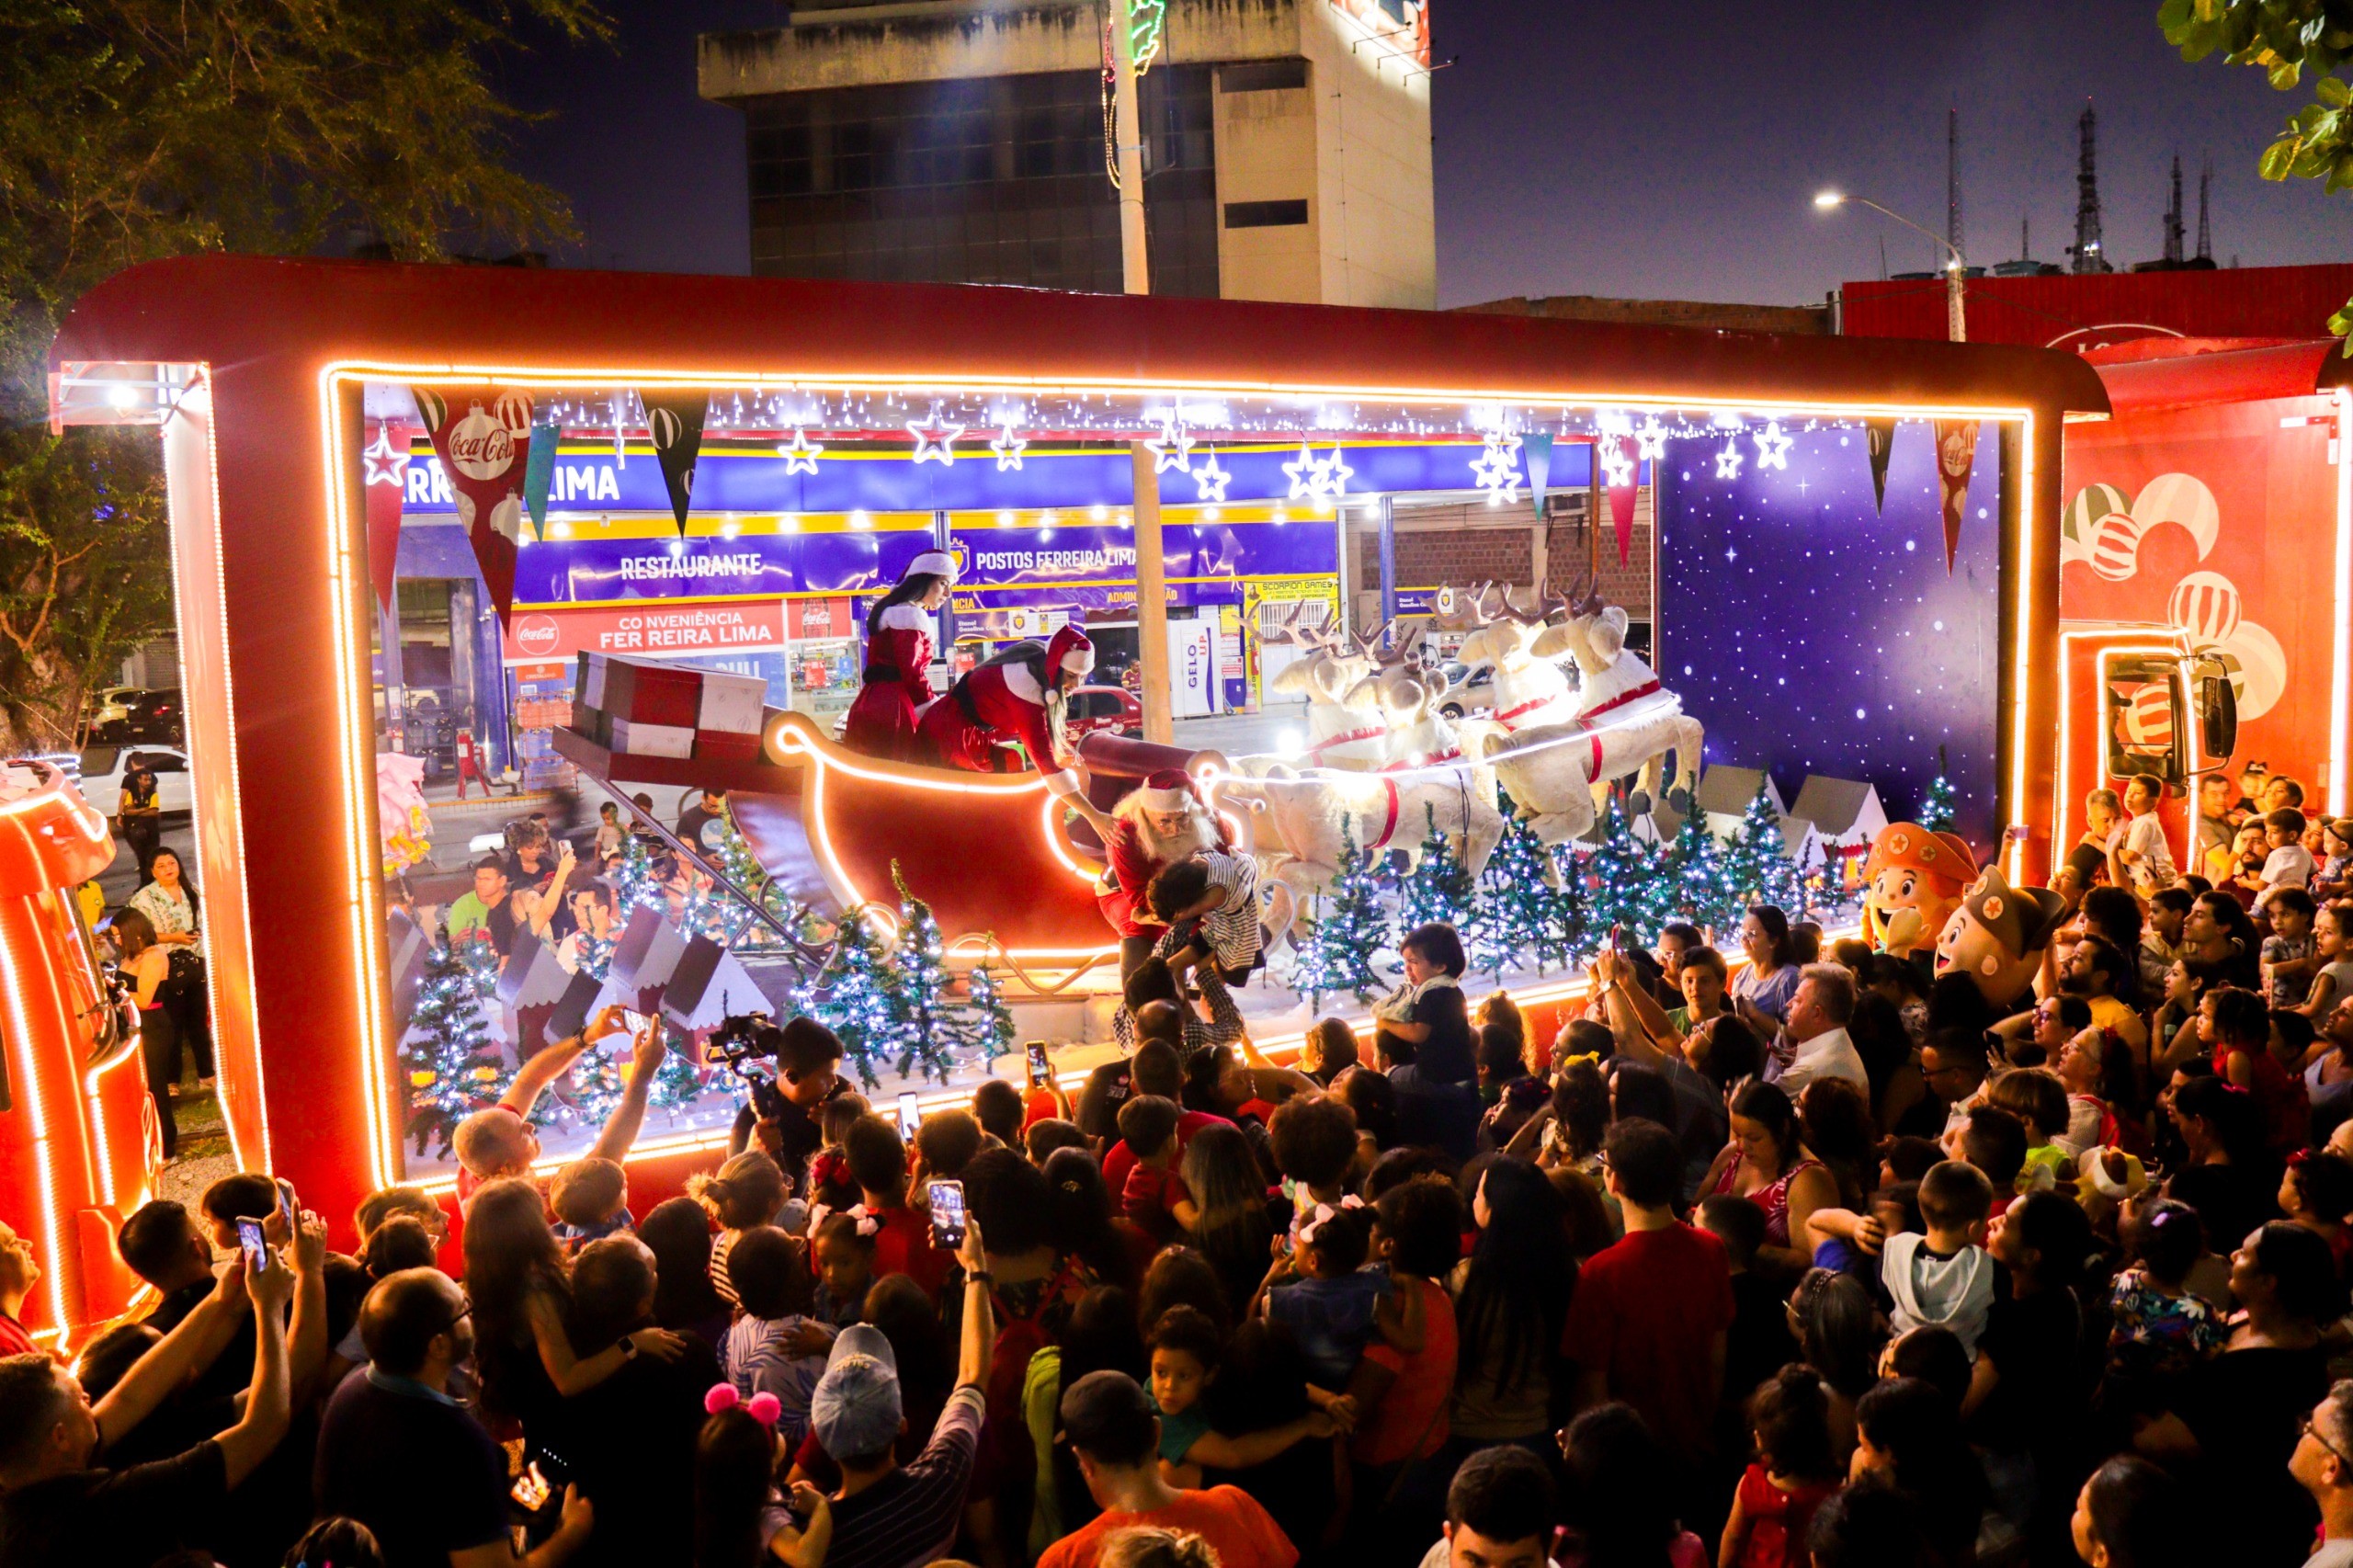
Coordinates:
(1757, 865)
(1440, 887)
(1936, 813)
(1525, 922)
(737, 862)
(634, 886)
(452, 1063)
(1696, 867)
(990, 1015)
(602, 1072)
(935, 1024)
(1349, 927)
(1630, 887)
(861, 997)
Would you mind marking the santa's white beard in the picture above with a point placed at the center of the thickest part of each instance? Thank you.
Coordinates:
(1196, 836)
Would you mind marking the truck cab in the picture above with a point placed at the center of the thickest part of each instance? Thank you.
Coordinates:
(79, 1146)
(2136, 700)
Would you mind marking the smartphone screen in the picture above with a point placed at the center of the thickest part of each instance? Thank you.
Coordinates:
(946, 1213)
(286, 1205)
(1041, 1070)
(257, 1247)
(909, 1117)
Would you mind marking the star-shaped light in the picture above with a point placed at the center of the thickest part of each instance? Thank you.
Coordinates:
(1497, 469)
(1008, 446)
(1772, 447)
(1650, 441)
(1728, 460)
(1332, 476)
(934, 440)
(1175, 448)
(801, 453)
(1210, 481)
(1617, 464)
(1301, 473)
(387, 464)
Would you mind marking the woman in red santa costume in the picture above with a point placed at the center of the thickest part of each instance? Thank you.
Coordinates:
(1013, 697)
(1155, 826)
(900, 639)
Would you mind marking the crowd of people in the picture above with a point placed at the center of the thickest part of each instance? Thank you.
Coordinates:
(1812, 1257)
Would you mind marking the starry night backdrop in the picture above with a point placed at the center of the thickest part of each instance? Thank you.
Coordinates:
(1810, 635)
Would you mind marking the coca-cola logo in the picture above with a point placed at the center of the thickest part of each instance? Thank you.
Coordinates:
(480, 446)
(537, 634)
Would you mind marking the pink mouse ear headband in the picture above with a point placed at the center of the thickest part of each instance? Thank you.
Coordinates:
(869, 1223)
(763, 1408)
(1324, 1214)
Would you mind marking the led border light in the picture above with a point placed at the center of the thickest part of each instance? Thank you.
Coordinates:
(370, 1042)
(2340, 669)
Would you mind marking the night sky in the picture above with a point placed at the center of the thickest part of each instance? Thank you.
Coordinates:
(1591, 149)
(1791, 612)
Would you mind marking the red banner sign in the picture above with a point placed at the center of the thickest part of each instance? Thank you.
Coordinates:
(647, 626)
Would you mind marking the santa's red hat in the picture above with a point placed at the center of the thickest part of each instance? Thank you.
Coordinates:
(1070, 650)
(1168, 789)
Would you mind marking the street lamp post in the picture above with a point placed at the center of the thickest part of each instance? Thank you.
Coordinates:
(1955, 269)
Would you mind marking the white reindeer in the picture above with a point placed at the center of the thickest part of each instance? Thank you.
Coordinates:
(1406, 694)
(1556, 773)
(1342, 730)
(1529, 688)
(1301, 820)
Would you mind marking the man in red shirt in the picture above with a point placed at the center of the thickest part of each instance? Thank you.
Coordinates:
(1648, 1319)
(1109, 1421)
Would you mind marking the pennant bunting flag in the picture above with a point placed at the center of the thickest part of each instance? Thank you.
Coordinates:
(538, 474)
(483, 437)
(1955, 456)
(386, 480)
(1623, 476)
(1536, 447)
(1880, 436)
(674, 421)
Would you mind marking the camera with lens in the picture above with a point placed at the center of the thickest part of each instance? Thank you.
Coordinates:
(742, 1040)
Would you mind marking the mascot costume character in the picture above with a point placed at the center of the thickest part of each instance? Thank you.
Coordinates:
(1912, 883)
(1997, 936)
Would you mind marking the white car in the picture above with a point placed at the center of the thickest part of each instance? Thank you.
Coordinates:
(104, 768)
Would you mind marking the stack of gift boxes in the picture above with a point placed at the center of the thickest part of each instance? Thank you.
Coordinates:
(643, 708)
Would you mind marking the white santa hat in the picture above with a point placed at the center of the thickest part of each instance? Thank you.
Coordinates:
(1168, 789)
(933, 564)
(1070, 650)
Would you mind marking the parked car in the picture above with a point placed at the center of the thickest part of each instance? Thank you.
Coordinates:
(1469, 689)
(149, 718)
(1112, 708)
(104, 766)
(112, 706)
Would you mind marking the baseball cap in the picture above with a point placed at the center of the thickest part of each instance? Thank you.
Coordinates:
(856, 1409)
(1108, 1416)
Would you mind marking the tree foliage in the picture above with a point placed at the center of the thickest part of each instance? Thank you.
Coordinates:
(2284, 40)
(143, 129)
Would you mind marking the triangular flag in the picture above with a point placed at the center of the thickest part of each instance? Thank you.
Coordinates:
(483, 437)
(674, 421)
(1955, 456)
(1536, 445)
(538, 474)
(1879, 434)
(1621, 496)
(386, 480)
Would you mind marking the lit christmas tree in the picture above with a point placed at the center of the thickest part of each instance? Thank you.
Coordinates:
(1349, 927)
(1757, 864)
(1628, 885)
(936, 1024)
(1937, 813)
(1440, 887)
(990, 1015)
(859, 996)
(602, 1072)
(634, 886)
(1703, 894)
(737, 862)
(453, 1064)
(1523, 922)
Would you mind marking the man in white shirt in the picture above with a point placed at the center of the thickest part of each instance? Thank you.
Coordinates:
(2322, 1465)
(1816, 1026)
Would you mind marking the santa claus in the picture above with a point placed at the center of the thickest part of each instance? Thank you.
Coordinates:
(900, 639)
(1159, 823)
(1016, 696)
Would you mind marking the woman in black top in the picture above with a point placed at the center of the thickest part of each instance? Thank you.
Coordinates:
(2225, 1177)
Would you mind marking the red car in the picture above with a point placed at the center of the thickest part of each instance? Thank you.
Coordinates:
(1112, 708)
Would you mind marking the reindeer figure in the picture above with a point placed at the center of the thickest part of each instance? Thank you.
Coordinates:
(1407, 697)
(1297, 821)
(1624, 722)
(1341, 732)
(1529, 688)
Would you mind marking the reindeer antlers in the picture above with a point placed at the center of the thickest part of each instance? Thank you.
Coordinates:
(1288, 631)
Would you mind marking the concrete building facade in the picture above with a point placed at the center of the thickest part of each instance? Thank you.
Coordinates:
(1287, 146)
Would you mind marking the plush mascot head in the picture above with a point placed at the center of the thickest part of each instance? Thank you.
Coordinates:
(1912, 883)
(1997, 934)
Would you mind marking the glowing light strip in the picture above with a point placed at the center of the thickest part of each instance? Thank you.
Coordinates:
(2340, 670)
(2022, 563)
(383, 1155)
(128, 1051)
(61, 1238)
